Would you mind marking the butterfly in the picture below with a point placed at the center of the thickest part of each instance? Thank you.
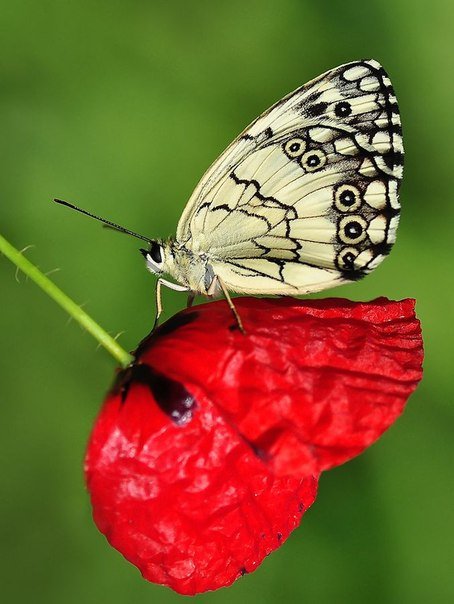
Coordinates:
(304, 199)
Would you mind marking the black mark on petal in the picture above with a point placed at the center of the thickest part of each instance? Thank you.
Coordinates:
(171, 396)
(257, 450)
(174, 323)
(177, 321)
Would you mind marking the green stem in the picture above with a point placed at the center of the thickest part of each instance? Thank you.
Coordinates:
(65, 302)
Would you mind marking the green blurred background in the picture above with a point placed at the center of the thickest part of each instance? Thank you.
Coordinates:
(120, 107)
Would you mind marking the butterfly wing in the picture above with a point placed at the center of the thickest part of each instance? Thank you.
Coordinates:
(307, 196)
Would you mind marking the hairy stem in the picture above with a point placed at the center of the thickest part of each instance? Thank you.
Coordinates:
(75, 311)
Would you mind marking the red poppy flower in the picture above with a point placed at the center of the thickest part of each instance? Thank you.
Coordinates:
(208, 451)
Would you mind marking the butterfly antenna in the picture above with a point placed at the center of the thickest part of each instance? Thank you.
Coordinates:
(110, 224)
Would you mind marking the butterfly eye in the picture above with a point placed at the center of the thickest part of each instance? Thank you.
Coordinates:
(346, 258)
(155, 252)
(352, 229)
(342, 109)
(313, 160)
(295, 147)
(347, 198)
(153, 257)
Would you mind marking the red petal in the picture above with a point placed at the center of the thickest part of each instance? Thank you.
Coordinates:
(190, 505)
(311, 385)
(197, 466)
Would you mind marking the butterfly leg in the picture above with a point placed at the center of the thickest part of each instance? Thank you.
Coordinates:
(159, 283)
(191, 298)
(229, 302)
(158, 299)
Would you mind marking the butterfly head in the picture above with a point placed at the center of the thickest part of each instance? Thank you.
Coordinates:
(154, 257)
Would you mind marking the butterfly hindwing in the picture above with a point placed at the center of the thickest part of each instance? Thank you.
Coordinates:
(307, 196)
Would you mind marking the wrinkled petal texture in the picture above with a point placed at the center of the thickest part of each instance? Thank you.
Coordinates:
(207, 453)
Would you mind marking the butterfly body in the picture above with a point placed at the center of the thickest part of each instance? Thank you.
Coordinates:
(191, 269)
(304, 199)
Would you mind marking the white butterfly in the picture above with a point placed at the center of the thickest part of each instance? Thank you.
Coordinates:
(304, 199)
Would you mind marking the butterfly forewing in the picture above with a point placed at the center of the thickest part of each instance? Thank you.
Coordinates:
(307, 196)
